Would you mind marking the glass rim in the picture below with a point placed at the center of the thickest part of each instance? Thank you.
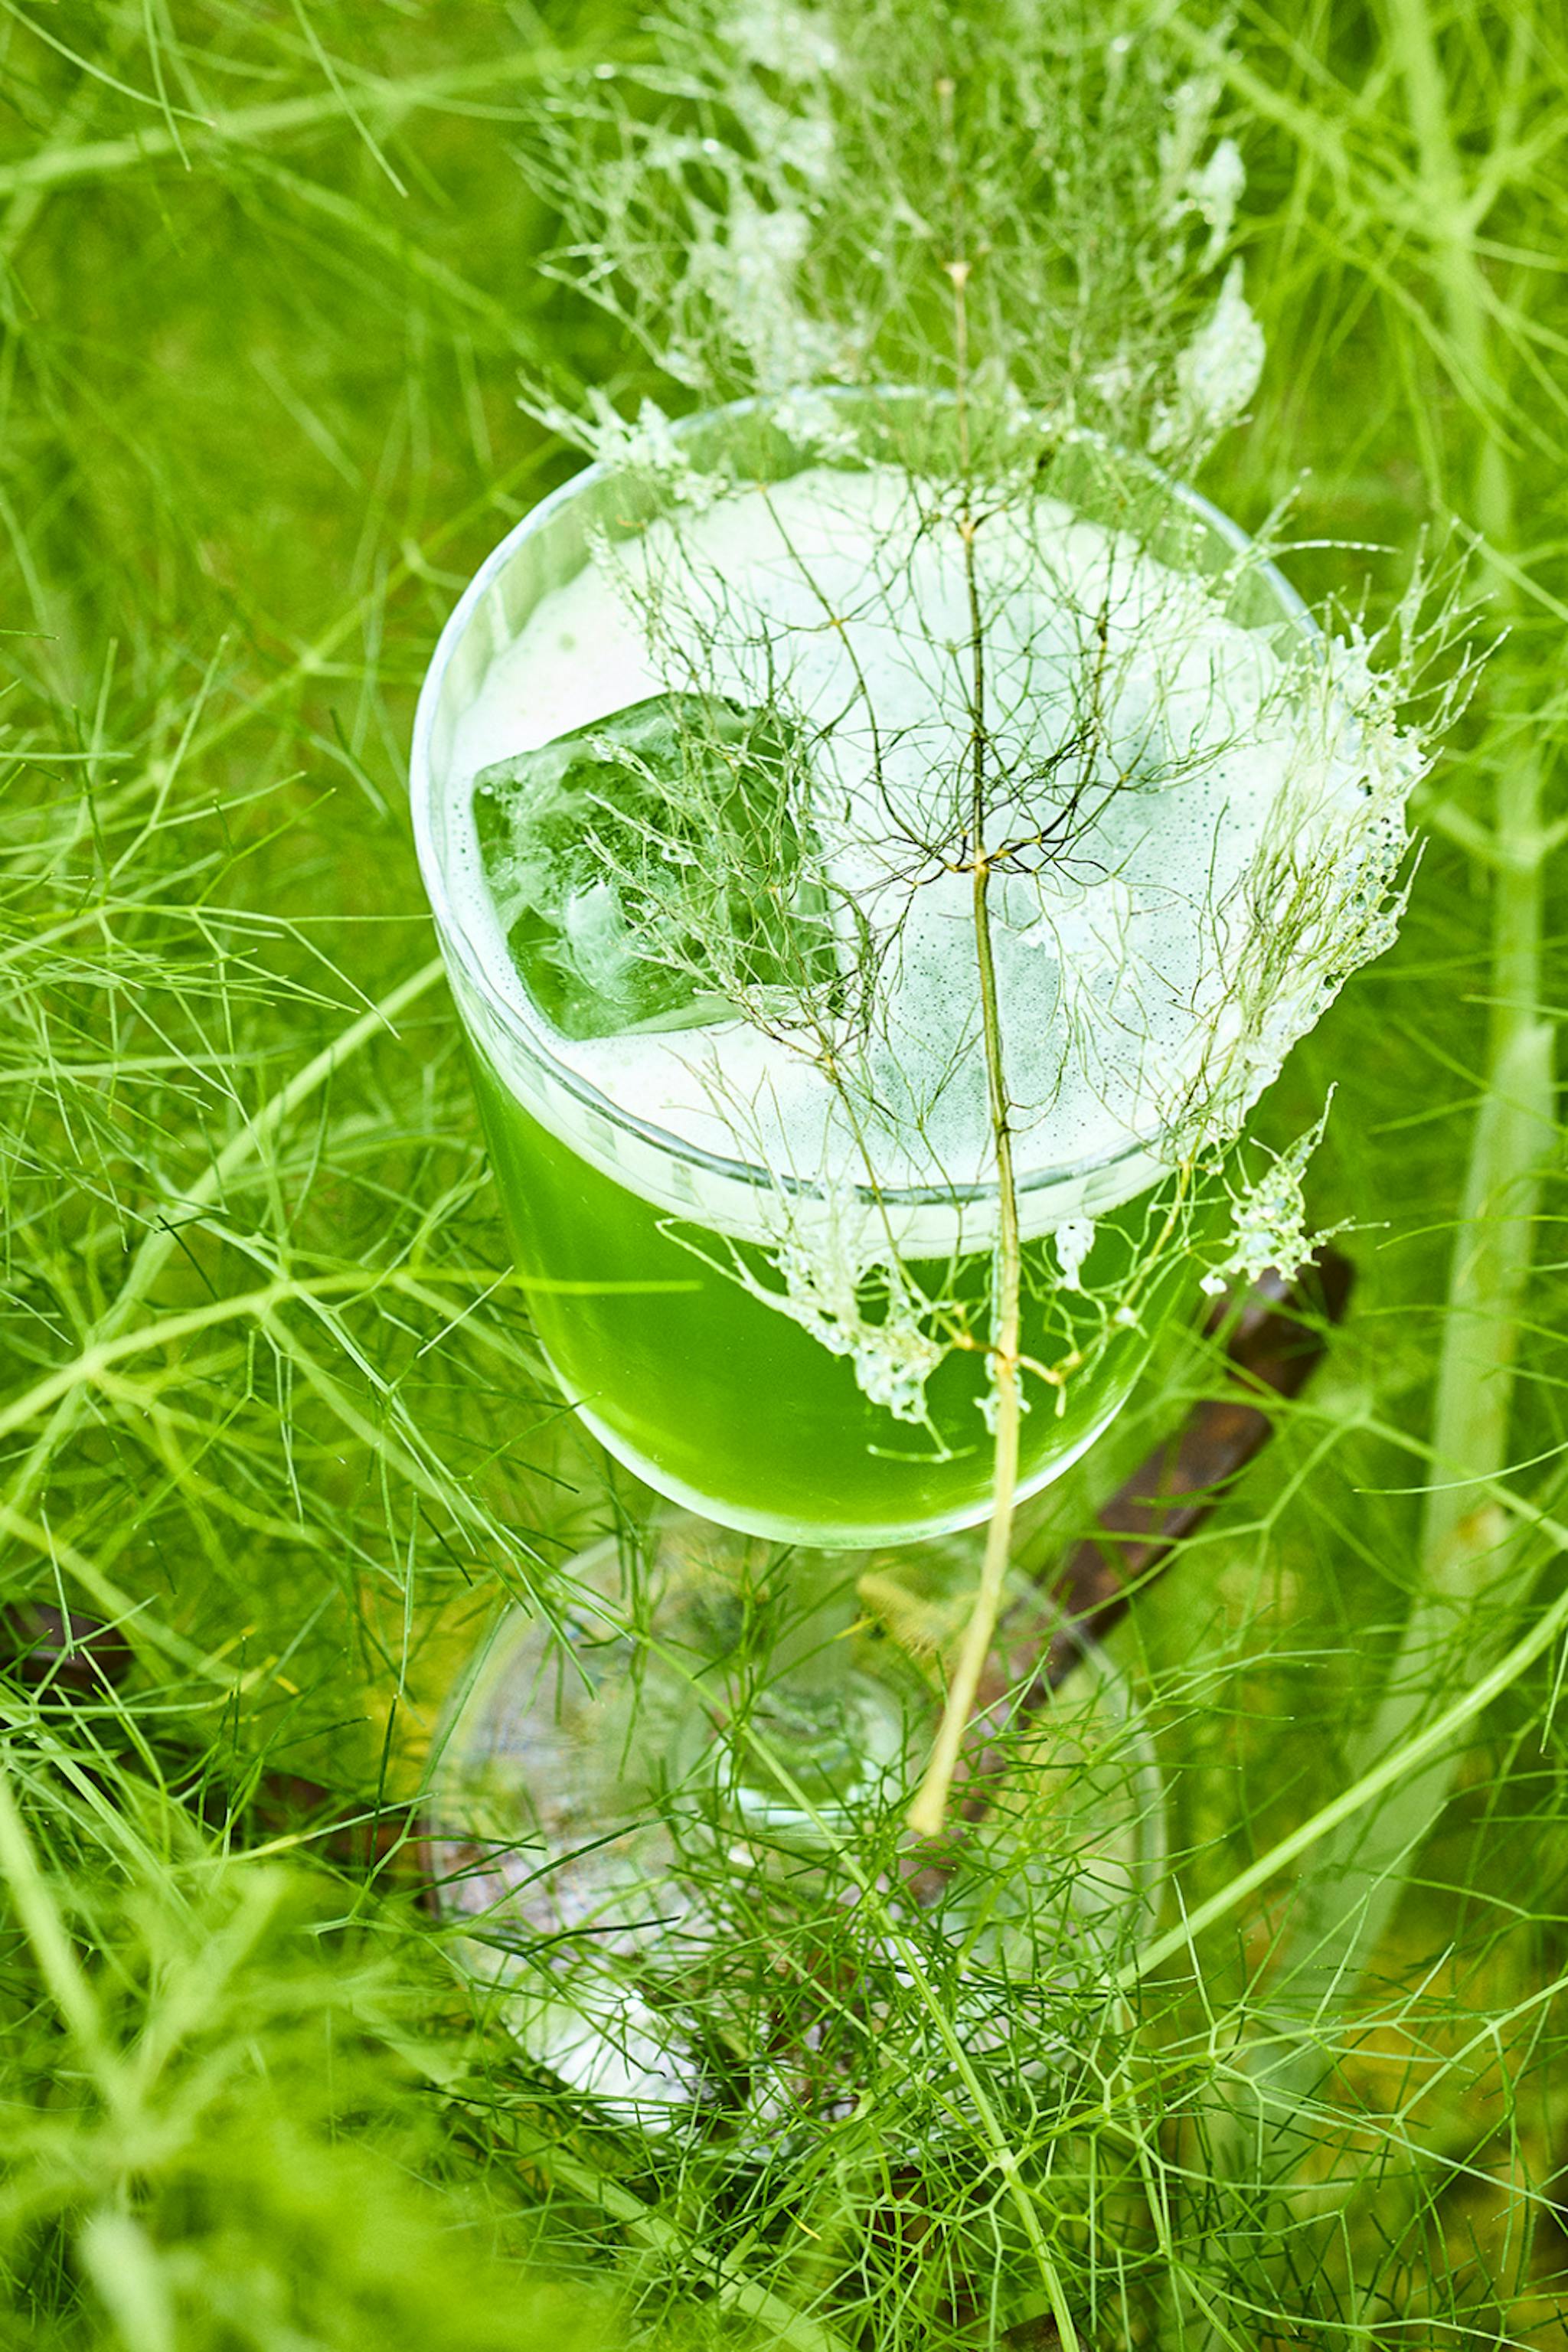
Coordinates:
(534, 1041)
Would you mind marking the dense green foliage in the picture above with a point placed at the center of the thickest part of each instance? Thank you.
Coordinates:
(270, 1404)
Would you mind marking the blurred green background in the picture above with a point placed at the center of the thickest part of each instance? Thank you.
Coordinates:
(269, 276)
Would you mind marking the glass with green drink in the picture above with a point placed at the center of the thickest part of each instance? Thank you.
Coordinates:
(865, 875)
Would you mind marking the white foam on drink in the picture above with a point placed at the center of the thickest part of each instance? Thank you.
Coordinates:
(1156, 741)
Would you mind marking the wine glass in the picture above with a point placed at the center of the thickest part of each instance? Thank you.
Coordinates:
(734, 1697)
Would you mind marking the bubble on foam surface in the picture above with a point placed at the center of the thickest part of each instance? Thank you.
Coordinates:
(1073, 1238)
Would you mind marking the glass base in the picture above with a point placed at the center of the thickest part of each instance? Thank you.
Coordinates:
(672, 1828)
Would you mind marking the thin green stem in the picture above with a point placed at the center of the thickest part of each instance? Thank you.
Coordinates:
(732, 2289)
(1436, 1739)
(1404, 1760)
(1004, 2156)
(380, 102)
(930, 1807)
(57, 1964)
(159, 1245)
(1345, 1902)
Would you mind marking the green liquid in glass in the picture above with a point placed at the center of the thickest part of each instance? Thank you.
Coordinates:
(725, 1404)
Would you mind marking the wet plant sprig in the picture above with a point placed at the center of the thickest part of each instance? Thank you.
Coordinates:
(728, 186)
(929, 1809)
